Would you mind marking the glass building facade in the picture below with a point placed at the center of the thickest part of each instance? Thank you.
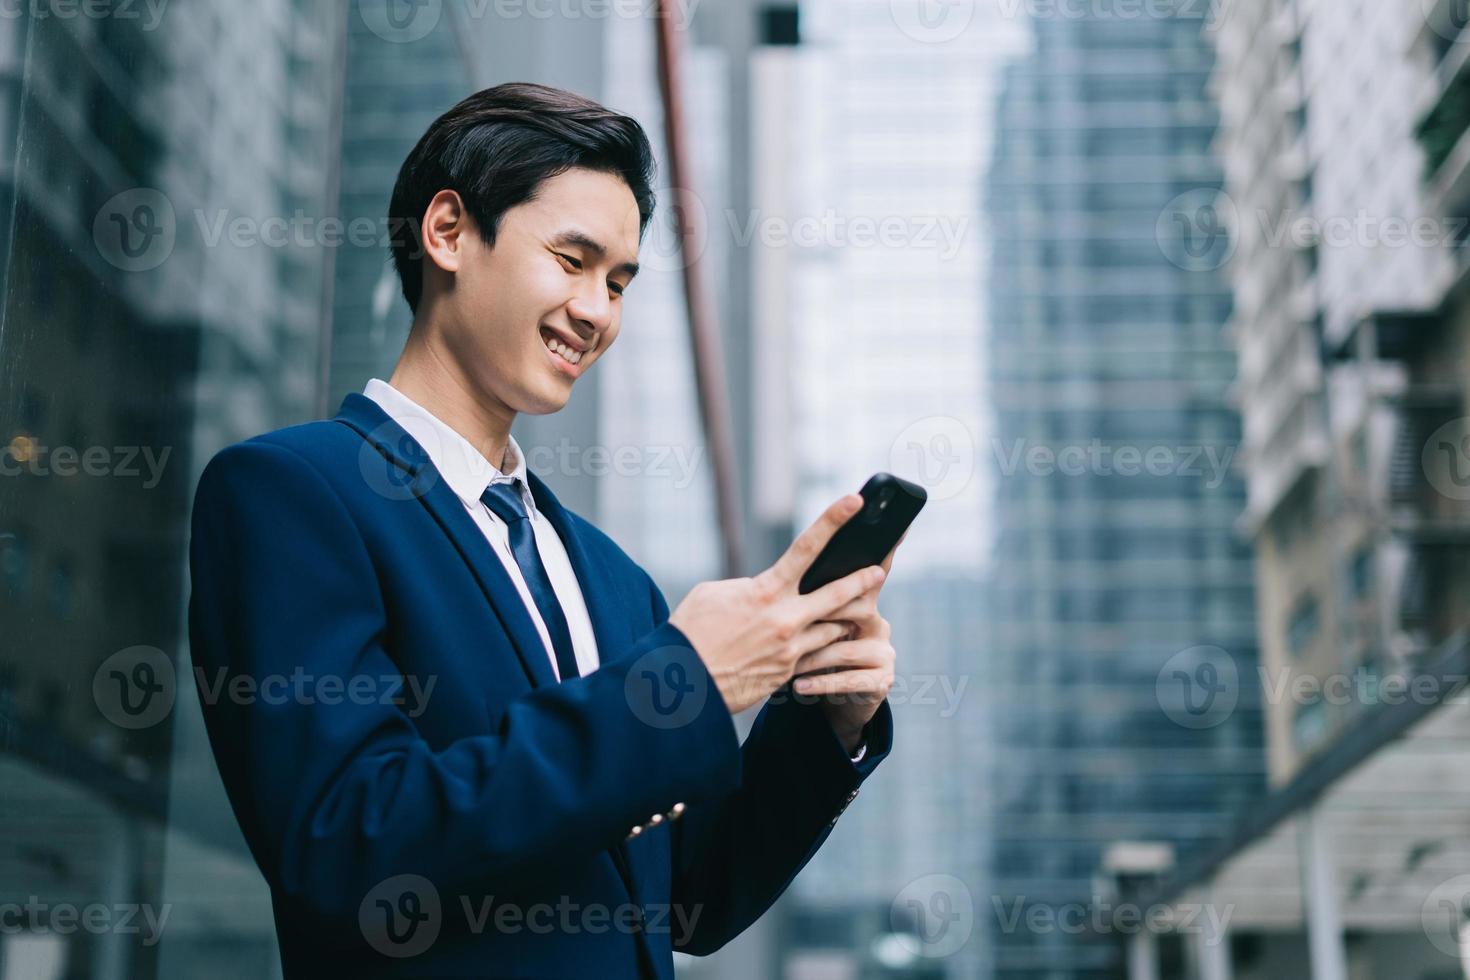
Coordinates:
(152, 313)
(1116, 567)
(195, 252)
(1043, 258)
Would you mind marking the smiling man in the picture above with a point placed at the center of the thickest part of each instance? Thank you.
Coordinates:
(503, 756)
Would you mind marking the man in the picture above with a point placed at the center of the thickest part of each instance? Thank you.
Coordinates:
(500, 755)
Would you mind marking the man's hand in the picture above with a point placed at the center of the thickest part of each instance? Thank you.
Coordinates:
(751, 632)
(855, 673)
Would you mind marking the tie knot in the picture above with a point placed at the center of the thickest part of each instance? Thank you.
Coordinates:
(504, 501)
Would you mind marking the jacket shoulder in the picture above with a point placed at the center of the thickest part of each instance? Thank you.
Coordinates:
(325, 448)
(322, 441)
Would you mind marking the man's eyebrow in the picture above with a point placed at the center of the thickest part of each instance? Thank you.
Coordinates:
(571, 237)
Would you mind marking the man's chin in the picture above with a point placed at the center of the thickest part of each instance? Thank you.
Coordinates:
(545, 402)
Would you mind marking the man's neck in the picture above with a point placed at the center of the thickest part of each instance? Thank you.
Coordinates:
(430, 378)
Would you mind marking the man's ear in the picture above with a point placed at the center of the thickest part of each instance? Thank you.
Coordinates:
(443, 229)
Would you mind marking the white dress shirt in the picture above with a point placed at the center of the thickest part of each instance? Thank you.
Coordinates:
(468, 473)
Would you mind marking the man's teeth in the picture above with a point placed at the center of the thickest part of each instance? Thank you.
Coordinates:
(569, 355)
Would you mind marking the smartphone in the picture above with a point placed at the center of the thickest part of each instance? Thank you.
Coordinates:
(890, 504)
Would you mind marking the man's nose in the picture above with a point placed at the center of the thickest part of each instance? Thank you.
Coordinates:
(592, 307)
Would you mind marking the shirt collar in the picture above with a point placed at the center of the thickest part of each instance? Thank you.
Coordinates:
(463, 467)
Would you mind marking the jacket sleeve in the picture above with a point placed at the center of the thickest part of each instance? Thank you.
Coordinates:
(335, 794)
(732, 858)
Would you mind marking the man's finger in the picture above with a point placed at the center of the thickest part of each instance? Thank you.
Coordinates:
(822, 603)
(859, 681)
(842, 654)
(887, 563)
(790, 567)
(860, 610)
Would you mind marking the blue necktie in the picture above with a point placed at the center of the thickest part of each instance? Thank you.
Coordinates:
(504, 500)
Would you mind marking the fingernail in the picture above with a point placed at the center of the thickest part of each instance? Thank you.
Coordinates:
(877, 575)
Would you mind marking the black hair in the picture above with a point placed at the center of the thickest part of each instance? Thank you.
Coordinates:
(495, 148)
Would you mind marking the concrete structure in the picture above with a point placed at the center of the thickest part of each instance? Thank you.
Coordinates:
(1324, 176)
(1354, 868)
(1360, 494)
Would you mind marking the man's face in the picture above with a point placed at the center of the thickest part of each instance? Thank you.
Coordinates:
(557, 271)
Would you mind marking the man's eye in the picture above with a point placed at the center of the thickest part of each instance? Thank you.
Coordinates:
(616, 287)
(576, 263)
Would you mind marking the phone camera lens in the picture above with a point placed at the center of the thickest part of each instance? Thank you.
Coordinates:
(873, 509)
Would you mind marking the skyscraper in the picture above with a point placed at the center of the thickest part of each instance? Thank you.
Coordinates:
(1344, 142)
(1118, 580)
(866, 236)
(152, 313)
(393, 89)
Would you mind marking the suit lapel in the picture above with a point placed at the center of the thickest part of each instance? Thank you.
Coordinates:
(403, 473)
(592, 574)
(399, 468)
(602, 609)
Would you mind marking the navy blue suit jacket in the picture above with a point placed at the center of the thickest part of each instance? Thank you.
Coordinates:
(481, 828)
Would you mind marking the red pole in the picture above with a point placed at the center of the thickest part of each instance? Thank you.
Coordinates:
(709, 365)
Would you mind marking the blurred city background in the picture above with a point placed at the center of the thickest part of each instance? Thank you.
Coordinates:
(1164, 301)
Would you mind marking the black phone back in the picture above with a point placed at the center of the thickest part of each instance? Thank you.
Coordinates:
(890, 505)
